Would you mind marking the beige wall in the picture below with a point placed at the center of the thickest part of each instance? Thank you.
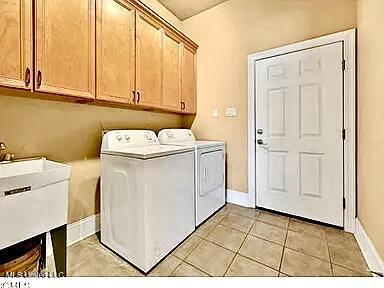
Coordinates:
(370, 119)
(229, 32)
(71, 133)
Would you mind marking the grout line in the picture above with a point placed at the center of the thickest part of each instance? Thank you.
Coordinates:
(329, 254)
(261, 263)
(197, 268)
(177, 266)
(285, 242)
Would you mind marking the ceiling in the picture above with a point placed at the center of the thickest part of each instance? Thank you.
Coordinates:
(184, 9)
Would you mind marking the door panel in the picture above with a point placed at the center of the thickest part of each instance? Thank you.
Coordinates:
(172, 54)
(189, 81)
(115, 51)
(15, 43)
(299, 107)
(65, 47)
(148, 61)
(210, 195)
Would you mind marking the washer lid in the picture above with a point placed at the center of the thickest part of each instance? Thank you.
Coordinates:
(148, 152)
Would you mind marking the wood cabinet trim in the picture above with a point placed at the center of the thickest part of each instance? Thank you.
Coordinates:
(144, 9)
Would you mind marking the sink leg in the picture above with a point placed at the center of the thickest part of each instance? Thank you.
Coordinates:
(43, 259)
(59, 243)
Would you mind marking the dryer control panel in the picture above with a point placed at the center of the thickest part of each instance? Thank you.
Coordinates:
(169, 136)
(119, 139)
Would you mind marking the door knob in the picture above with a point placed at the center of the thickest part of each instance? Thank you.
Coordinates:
(261, 142)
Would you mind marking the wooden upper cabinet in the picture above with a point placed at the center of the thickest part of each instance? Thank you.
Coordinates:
(15, 43)
(65, 47)
(115, 46)
(148, 61)
(188, 96)
(172, 59)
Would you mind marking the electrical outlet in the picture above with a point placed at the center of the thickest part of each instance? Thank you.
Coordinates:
(230, 112)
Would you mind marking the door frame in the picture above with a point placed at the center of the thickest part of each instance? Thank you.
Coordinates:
(348, 38)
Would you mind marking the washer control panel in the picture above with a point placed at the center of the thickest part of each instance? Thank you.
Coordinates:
(119, 139)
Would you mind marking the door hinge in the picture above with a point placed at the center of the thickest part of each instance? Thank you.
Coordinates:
(343, 134)
(344, 204)
(343, 65)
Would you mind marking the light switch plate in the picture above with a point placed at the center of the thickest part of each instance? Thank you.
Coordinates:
(215, 113)
(230, 112)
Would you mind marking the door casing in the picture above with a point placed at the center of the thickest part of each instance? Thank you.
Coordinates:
(348, 38)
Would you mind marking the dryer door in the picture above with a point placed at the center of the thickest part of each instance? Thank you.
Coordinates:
(211, 191)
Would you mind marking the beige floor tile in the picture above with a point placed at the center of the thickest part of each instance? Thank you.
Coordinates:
(298, 264)
(269, 232)
(205, 229)
(348, 255)
(242, 266)
(307, 228)
(339, 237)
(186, 270)
(262, 251)
(226, 237)
(187, 247)
(237, 222)
(77, 253)
(218, 216)
(307, 244)
(339, 271)
(283, 275)
(273, 219)
(166, 267)
(246, 212)
(210, 258)
(99, 262)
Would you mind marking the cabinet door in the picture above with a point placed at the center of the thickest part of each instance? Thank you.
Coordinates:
(115, 45)
(65, 47)
(189, 81)
(15, 43)
(148, 61)
(172, 58)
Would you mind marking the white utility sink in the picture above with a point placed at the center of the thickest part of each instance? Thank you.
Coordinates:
(33, 199)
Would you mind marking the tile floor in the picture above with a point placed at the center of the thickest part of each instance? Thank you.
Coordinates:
(238, 241)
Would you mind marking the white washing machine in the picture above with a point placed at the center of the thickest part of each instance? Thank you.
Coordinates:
(147, 194)
(209, 170)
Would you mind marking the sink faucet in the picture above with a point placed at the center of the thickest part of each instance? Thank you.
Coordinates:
(5, 157)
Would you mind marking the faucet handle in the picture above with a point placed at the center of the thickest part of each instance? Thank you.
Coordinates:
(2, 146)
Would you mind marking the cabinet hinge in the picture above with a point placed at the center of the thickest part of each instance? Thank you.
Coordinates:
(344, 204)
(343, 65)
(343, 134)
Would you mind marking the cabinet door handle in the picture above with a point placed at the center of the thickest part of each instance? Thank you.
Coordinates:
(27, 77)
(134, 96)
(181, 105)
(138, 96)
(39, 77)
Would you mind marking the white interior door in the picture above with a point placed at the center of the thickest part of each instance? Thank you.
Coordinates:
(299, 122)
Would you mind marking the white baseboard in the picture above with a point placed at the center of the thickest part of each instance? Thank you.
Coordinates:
(78, 231)
(238, 198)
(374, 261)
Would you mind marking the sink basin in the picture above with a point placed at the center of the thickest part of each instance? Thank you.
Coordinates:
(33, 199)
